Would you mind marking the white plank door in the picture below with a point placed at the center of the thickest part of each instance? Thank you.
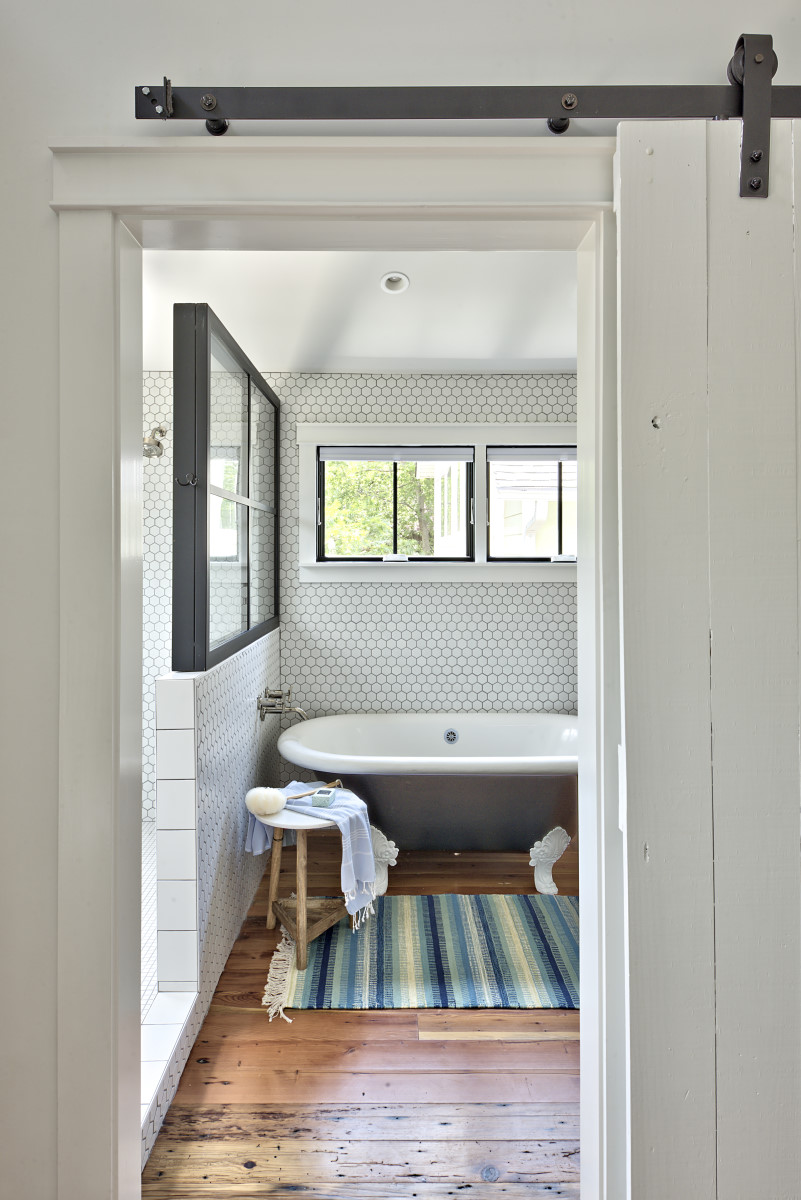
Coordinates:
(709, 523)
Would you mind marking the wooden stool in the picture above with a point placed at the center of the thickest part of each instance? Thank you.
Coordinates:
(305, 919)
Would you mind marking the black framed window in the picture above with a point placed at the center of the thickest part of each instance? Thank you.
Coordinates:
(531, 503)
(395, 502)
(225, 510)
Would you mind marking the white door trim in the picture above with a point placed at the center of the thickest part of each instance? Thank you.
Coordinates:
(412, 193)
(100, 708)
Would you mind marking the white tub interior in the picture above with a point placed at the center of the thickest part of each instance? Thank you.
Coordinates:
(435, 743)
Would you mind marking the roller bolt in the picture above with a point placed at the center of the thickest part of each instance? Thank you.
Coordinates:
(558, 124)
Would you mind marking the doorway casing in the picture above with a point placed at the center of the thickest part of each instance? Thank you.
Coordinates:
(292, 193)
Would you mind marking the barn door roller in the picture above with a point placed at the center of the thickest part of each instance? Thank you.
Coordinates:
(752, 68)
(750, 95)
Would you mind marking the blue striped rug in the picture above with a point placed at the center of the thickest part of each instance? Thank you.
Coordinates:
(439, 952)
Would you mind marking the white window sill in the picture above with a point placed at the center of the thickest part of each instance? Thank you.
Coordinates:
(439, 572)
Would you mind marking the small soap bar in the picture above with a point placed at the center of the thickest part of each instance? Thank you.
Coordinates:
(323, 797)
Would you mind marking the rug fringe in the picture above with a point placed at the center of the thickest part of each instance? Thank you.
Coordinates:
(277, 988)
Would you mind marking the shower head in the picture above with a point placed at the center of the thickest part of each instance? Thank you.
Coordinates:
(153, 446)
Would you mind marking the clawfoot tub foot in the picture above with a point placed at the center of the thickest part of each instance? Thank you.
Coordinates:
(543, 856)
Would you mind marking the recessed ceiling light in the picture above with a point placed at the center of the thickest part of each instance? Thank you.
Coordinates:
(395, 281)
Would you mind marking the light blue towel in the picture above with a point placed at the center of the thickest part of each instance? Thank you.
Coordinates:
(350, 815)
(260, 837)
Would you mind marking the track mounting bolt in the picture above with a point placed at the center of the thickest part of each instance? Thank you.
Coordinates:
(208, 102)
(145, 91)
(159, 109)
(755, 184)
(569, 100)
(756, 156)
(558, 124)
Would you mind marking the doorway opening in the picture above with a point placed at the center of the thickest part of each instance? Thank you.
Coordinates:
(474, 342)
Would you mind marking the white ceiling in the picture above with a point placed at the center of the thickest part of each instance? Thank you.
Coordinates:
(493, 311)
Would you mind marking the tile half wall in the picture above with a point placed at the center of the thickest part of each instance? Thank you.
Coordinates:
(211, 749)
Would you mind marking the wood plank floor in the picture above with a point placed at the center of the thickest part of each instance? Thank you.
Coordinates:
(384, 1105)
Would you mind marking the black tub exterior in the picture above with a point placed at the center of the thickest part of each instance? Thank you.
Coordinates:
(468, 812)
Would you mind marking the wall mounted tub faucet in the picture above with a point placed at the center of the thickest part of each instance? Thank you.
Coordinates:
(278, 702)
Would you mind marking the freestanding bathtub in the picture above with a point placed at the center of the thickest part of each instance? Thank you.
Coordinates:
(450, 781)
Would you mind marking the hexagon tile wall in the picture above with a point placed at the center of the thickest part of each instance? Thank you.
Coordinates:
(156, 571)
(365, 647)
(389, 647)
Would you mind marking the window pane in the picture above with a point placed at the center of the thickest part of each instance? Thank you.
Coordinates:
(432, 509)
(569, 498)
(262, 566)
(228, 422)
(228, 570)
(357, 522)
(262, 448)
(524, 509)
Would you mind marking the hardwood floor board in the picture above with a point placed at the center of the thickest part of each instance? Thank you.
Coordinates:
(240, 989)
(241, 996)
(330, 1025)
(493, 1035)
(506, 1025)
(164, 1189)
(372, 1122)
(224, 1055)
(252, 953)
(266, 1161)
(421, 1087)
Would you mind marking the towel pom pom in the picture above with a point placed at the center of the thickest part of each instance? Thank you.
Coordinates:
(262, 801)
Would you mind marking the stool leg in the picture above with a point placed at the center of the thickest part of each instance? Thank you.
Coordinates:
(275, 871)
(301, 910)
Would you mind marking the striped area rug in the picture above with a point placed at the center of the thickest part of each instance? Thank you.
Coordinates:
(438, 952)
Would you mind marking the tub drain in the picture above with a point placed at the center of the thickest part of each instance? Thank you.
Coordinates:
(451, 736)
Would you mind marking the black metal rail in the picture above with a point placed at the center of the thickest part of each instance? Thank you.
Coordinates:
(457, 103)
(749, 95)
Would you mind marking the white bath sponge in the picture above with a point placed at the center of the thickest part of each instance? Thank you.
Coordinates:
(263, 802)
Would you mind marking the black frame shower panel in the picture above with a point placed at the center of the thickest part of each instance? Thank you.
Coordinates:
(194, 327)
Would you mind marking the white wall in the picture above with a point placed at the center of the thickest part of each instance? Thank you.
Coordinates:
(68, 73)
